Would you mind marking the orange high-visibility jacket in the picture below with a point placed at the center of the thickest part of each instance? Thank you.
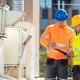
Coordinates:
(61, 35)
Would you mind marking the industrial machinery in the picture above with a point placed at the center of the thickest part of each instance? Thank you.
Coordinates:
(14, 37)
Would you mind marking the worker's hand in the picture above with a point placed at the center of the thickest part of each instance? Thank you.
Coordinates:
(52, 44)
(71, 54)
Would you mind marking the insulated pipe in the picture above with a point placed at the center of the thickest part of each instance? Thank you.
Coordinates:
(1, 57)
(2, 33)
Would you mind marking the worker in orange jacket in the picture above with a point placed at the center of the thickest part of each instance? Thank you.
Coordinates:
(57, 39)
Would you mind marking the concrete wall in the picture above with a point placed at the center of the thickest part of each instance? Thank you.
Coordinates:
(32, 9)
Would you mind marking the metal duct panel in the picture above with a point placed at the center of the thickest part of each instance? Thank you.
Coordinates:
(16, 4)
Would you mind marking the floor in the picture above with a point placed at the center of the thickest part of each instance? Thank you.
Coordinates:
(34, 79)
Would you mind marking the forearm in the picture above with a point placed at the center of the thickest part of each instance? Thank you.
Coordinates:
(44, 42)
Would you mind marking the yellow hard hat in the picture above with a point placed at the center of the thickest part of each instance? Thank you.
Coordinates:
(75, 20)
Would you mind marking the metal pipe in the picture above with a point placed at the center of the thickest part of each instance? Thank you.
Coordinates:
(63, 5)
(58, 4)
